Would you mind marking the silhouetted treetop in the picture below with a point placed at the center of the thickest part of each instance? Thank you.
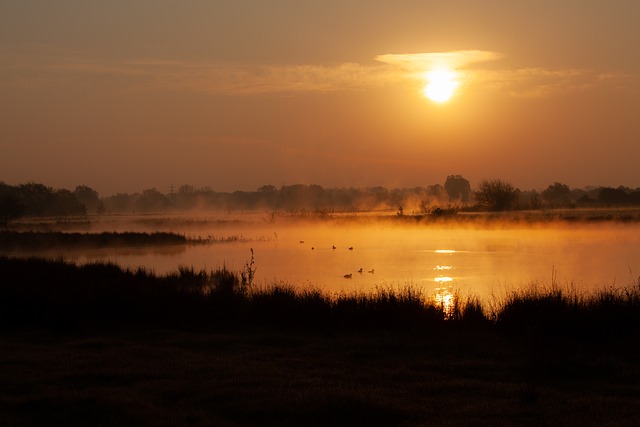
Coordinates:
(557, 194)
(458, 189)
(496, 194)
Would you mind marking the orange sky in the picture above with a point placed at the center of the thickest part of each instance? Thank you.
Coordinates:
(123, 96)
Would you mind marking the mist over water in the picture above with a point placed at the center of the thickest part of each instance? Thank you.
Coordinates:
(484, 261)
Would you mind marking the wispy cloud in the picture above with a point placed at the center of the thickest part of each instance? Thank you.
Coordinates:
(538, 82)
(238, 79)
(420, 62)
(44, 66)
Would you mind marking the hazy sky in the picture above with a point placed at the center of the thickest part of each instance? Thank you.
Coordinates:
(127, 95)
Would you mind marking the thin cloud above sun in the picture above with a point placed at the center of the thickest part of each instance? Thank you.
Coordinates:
(425, 61)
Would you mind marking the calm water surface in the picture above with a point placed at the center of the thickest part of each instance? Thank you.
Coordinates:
(479, 261)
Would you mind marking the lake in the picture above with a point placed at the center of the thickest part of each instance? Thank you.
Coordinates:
(485, 261)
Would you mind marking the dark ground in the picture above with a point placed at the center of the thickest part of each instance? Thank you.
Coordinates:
(258, 376)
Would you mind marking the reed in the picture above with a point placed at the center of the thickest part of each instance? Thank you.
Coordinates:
(37, 292)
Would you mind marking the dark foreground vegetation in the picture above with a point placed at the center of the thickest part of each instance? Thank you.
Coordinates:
(44, 293)
(99, 345)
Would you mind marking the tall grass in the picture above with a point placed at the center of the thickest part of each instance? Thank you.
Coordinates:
(554, 312)
(57, 294)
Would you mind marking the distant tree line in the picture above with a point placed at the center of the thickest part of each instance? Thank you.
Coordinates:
(33, 199)
(299, 198)
(558, 195)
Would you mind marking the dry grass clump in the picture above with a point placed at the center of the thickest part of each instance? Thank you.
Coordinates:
(554, 312)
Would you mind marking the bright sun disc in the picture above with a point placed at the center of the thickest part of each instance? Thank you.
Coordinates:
(441, 85)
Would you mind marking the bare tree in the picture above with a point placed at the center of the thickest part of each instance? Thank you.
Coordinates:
(496, 195)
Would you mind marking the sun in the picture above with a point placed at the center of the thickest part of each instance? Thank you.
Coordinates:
(441, 84)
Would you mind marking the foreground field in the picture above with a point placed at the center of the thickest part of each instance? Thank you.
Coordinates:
(267, 377)
(97, 345)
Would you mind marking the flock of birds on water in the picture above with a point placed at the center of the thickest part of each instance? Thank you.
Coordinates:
(348, 275)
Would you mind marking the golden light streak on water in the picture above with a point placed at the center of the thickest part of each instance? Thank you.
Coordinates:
(444, 297)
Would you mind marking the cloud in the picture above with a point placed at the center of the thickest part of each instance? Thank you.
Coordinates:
(537, 82)
(40, 66)
(238, 79)
(44, 66)
(420, 62)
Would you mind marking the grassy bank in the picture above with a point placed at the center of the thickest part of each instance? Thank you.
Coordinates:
(99, 345)
(12, 240)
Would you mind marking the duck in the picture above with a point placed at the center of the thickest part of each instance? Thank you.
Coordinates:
(348, 276)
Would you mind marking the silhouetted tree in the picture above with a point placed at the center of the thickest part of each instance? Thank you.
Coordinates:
(586, 201)
(267, 189)
(36, 198)
(89, 198)
(435, 190)
(153, 200)
(458, 188)
(557, 194)
(576, 193)
(10, 209)
(496, 195)
(64, 202)
(186, 189)
(613, 196)
(528, 200)
(121, 202)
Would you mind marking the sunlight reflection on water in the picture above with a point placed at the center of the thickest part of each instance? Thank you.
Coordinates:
(444, 297)
(441, 261)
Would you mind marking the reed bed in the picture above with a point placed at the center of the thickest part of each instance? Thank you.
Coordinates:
(59, 294)
(56, 239)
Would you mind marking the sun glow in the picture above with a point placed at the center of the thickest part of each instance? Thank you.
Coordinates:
(441, 84)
